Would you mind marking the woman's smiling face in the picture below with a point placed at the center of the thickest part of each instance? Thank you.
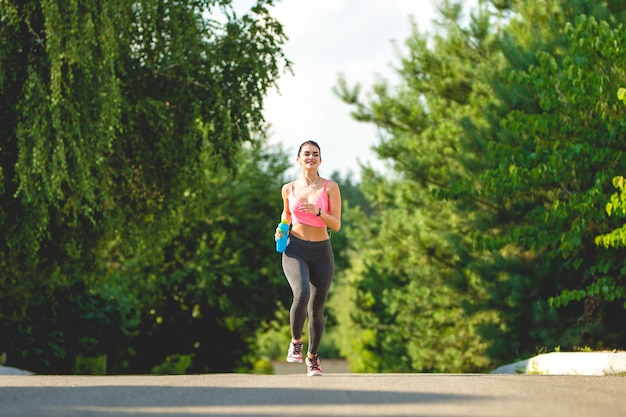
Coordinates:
(309, 156)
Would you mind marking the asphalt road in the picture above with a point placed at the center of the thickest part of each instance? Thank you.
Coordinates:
(242, 395)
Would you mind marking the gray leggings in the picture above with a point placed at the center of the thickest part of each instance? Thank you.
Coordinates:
(309, 268)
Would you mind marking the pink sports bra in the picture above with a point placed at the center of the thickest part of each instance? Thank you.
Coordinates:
(299, 217)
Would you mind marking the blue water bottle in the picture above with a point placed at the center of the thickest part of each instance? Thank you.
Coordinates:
(281, 244)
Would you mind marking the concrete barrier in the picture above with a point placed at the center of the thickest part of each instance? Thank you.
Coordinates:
(8, 370)
(569, 363)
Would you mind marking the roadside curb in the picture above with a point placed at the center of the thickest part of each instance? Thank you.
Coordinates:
(8, 370)
(569, 363)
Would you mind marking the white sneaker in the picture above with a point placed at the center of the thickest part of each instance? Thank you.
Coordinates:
(314, 366)
(295, 353)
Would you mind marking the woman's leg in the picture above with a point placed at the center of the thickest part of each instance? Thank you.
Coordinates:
(322, 271)
(297, 273)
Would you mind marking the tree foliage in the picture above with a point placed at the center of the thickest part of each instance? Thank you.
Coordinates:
(136, 188)
(217, 279)
(115, 118)
(504, 136)
(414, 286)
(560, 150)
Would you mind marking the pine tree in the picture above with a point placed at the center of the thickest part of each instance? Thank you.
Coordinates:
(414, 289)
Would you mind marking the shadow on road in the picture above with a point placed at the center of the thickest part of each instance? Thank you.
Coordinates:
(157, 401)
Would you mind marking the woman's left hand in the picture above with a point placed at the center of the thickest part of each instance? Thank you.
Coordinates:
(309, 208)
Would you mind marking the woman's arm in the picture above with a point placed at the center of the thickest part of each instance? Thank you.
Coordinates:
(333, 217)
(286, 214)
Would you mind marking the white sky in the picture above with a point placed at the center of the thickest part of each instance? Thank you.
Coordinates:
(327, 38)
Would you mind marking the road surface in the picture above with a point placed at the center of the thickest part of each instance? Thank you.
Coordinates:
(244, 395)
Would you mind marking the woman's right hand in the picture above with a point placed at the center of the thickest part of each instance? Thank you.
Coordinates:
(278, 234)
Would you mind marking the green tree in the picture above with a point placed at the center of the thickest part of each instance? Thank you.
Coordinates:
(503, 141)
(413, 286)
(110, 112)
(215, 281)
(557, 148)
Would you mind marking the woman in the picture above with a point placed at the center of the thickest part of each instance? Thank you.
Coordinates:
(311, 205)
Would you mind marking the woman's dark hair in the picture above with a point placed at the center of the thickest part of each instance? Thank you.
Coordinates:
(309, 142)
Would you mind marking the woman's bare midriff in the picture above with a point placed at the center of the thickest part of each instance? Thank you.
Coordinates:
(310, 233)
